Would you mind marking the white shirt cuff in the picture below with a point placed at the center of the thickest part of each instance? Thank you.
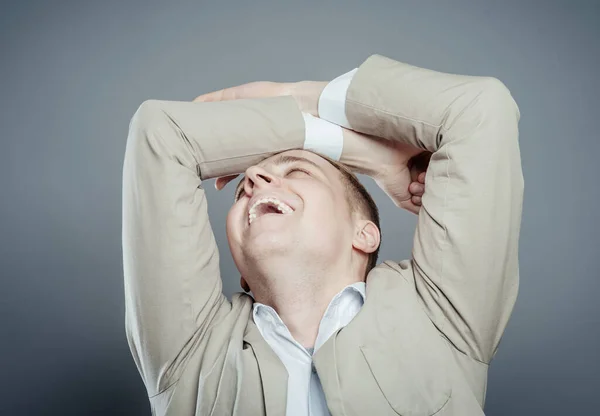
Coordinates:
(323, 137)
(332, 102)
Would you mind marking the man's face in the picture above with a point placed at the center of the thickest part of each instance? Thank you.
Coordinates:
(308, 219)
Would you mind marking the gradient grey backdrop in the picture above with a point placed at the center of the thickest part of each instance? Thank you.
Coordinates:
(73, 73)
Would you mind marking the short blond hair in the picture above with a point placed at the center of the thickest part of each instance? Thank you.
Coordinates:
(359, 200)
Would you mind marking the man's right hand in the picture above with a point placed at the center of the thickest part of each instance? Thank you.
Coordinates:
(306, 93)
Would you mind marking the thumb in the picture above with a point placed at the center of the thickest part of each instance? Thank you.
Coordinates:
(410, 206)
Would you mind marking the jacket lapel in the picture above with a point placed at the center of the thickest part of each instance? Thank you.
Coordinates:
(273, 373)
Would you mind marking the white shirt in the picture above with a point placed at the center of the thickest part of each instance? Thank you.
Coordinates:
(305, 396)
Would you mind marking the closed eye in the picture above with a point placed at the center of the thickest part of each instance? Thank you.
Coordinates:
(298, 169)
(239, 193)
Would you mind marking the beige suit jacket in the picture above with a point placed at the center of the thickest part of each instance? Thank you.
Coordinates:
(430, 326)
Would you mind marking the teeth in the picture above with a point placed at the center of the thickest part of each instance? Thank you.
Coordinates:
(284, 208)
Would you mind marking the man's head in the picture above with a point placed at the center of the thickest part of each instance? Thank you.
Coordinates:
(297, 209)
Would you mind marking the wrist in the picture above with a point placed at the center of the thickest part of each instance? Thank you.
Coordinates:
(306, 94)
(359, 153)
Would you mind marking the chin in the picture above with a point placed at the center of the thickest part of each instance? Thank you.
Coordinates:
(269, 243)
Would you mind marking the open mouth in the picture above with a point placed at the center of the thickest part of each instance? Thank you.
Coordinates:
(268, 206)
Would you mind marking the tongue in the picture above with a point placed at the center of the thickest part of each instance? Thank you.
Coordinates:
(267, 209)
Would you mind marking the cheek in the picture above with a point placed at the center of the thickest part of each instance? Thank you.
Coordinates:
(324, 210)
(233, 222)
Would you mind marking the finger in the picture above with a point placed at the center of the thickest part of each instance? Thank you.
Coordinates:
(257, 89)
(224, 180)
(416, 188)
(421, 177)
(410, 206)
(416, 200)
(250, 90)
(220, 95)
(220, 184)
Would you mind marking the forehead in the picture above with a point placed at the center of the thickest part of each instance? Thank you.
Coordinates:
(291, 156)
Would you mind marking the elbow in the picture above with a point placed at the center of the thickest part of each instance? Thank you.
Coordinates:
(502, 113)
(497, 99)
(145, 127)
(148, 114)
(489, 111)
(144, 136)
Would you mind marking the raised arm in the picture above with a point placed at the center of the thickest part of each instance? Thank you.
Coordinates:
(170, 258)
(465, 253)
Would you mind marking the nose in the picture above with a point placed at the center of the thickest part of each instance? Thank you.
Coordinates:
(258, 177)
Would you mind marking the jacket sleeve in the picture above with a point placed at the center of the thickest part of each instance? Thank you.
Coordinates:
(465, 251)
(170, 258)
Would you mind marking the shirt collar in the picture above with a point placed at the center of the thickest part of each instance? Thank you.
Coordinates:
(341, 310)
(358, 287)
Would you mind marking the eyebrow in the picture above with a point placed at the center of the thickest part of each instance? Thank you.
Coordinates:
(281, 160)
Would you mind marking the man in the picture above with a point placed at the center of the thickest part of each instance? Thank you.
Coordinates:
(325, 331)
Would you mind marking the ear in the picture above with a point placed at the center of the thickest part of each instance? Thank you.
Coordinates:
(366, 237)
(244, 284)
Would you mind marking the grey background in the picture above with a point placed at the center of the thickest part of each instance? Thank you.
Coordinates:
(72, 73)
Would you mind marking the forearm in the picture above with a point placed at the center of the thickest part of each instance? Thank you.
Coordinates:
(422, 107)
(228, 137)
(367, 155)
(358, 153)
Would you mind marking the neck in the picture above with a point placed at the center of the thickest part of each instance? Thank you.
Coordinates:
(301, 298)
